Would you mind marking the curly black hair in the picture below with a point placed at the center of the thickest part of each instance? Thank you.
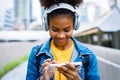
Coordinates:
(47, 3)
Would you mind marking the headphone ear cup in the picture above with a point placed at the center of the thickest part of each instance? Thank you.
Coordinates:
(45, 22)
(77, 22)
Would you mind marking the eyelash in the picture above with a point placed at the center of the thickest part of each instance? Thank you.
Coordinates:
(58, 30)
(54, 30)
(67, 30)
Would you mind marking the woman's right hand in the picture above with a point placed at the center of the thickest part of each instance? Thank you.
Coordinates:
(47, 74)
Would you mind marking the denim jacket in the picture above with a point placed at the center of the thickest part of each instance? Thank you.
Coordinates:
(79, 50)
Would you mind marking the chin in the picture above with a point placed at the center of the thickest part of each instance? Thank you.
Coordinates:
(60, 43)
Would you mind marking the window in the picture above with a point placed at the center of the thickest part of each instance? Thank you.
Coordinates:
(94, 38)
(107, 40)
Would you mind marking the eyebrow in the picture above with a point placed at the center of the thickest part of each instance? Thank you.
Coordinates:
(54, 27)
(67, 27)
(57, 28)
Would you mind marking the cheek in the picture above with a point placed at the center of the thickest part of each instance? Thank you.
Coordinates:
(70, 33)
(52, 34)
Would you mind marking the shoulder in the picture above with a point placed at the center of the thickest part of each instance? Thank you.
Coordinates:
(33, 52)
(83, 49)
(34, 49)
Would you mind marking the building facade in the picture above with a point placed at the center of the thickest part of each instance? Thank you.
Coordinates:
(105, 32)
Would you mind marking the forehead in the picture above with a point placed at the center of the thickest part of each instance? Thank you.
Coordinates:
(61, 22)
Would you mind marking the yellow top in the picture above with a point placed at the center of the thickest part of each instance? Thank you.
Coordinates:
(61, 56)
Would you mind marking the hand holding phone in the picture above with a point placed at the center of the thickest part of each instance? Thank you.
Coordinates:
(53, 66)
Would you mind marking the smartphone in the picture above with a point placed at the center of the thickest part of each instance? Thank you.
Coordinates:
(53, 66)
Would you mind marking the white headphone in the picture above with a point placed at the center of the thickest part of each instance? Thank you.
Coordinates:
(58, 6)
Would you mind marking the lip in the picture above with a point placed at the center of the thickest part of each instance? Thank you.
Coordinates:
(60, 40)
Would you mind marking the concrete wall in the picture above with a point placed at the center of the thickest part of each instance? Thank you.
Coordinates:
(108, 71)
(108, 61)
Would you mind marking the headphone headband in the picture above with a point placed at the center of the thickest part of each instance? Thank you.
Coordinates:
(60, 5)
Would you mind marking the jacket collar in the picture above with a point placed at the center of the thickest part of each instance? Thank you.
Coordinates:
(78, 46)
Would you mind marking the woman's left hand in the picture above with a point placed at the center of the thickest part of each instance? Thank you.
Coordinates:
(69, 71)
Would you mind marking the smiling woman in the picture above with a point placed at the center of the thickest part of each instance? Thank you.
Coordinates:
(60, 19)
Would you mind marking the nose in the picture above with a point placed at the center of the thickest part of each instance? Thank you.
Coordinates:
(61, 35)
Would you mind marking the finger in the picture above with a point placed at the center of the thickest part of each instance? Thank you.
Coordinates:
(66, 74)
(54, 62)
(45, 64)
(45, 74)
(47, 60)
(71, 66)
(63, 69)
(45, 69)
(67, 71)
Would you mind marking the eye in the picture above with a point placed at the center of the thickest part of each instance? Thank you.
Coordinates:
(55, 30)
(67, 30)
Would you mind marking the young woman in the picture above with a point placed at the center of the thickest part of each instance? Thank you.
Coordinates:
(61, 19)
